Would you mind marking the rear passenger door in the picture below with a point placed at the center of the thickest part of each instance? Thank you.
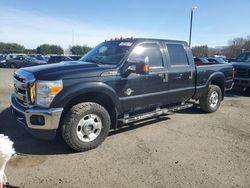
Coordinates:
(181, 72)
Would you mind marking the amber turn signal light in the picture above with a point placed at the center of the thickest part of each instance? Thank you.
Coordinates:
(55, 89)
(146, 68)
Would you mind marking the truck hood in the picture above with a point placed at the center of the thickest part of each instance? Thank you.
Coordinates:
(241, 64)
(66, 70)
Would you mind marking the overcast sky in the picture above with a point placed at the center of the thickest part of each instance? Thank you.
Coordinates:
(32, 23)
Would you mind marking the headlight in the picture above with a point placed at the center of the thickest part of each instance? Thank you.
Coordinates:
(46, 91)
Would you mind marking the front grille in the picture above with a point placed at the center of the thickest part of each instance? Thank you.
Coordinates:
(240, 72)
(22, 82)
(21, 90)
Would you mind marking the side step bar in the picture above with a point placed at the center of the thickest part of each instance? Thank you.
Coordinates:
(157, 112)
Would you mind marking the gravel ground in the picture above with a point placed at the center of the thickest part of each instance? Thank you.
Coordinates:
(187, 149)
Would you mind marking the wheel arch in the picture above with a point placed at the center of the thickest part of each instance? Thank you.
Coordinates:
(98, 93)
(218, 79)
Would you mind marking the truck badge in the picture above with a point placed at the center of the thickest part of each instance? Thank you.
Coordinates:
(129, 91)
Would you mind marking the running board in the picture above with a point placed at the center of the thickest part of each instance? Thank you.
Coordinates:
(157, 112)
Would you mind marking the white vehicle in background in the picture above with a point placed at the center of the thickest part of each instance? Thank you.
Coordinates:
(223, 57)
(11, 56)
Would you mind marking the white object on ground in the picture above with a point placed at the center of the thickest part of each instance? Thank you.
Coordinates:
(6, 151)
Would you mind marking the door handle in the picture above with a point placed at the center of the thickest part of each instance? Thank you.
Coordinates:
(191, 75)
(179, 76)
(165, 78)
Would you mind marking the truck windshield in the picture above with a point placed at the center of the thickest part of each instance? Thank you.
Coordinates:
(244, 57)
(110, 52)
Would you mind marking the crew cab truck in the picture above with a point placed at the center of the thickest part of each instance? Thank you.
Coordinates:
(121, 80)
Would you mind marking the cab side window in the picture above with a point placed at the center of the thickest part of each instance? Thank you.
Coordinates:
(247, 58)
(150, 50)
(177, 55)
(241, 57)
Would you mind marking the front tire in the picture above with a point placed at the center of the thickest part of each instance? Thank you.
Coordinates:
(86, 126)
(210, 102)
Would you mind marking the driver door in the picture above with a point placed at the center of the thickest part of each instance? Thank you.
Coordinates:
(145, 91)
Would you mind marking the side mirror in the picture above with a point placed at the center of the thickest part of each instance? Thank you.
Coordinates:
(137, 65)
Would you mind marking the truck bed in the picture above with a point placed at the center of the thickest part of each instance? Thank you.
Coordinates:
(205, 72)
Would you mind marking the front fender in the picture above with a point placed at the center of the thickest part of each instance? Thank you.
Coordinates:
(73, 90)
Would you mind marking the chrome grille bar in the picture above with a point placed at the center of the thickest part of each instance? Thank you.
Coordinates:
(19, 84)
(20, 96)
(22, 81)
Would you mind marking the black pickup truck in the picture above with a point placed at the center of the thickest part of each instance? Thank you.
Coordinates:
(123, 80)
(242, 70)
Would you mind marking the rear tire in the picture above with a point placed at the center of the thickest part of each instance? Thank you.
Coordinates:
(85, 126)
(210, 102)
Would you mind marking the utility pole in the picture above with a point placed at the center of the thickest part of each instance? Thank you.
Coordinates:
(73, 38)
(191, 24)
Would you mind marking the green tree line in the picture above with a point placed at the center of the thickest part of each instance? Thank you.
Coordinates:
(234, 48)
(11, 48)
(6, 48)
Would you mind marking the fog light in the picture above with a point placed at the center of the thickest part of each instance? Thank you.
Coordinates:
(37, 120)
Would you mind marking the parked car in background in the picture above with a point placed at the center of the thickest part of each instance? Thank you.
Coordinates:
(46, 57)
(242, 70)
(231, 60)
(216, 60)
(201, 61)
(38, 57)
(11, 56)
(243, 57)
(22, 61)
(58, 58)
(2, 63)
(75, 57)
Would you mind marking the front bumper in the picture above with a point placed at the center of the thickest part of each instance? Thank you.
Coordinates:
(40, 122)
(244, 82)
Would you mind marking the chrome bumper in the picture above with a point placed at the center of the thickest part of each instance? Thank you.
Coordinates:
(50, 117)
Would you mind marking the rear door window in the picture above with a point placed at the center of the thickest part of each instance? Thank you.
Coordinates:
(177, 55)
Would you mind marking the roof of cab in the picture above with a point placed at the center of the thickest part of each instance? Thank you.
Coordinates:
(148, 39)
